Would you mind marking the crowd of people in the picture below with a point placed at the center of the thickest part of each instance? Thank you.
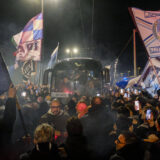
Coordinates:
(123, 124)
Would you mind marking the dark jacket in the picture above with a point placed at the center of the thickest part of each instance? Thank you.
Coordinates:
(58, 122)
(97, 126)
(129, 152)
(143, 129)
(6, 124)
(43, 154)
(152, 150)
(76, 148)
(6, 128)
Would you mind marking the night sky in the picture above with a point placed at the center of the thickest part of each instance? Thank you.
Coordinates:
(69, 22)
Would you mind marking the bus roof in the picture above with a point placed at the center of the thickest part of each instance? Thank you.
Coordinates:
(78, 63)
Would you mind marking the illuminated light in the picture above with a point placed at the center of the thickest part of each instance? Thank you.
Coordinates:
(75, 50)
(67, 50)
(23, 94)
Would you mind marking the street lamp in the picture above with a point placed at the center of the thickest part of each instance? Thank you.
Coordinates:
(72, 51)
(75, 50)
(67, 50)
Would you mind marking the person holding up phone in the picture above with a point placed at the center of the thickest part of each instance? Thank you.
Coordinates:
(149, 115)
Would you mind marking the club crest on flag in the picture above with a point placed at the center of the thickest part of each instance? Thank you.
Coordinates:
(28, 69)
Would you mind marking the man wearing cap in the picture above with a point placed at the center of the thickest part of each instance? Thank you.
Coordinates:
(57, 118)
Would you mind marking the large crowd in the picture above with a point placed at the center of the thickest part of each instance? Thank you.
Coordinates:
(122, 124)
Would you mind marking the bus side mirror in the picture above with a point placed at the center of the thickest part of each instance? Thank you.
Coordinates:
(106, 75)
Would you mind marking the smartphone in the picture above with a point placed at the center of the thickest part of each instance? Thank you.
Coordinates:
(125, 95)
(135, 91)
(136, 105)
(121, 91)
(36, 91)
(128, 89)
(23, 94)
(148, 114)
(129, 95)
(98, 94)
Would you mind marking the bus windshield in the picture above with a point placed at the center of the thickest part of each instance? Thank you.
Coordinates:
(70, 79)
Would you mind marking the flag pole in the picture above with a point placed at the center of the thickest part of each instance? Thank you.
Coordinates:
(41, 67)
(21, 117)
(42, 6)
(57, 54)
(134, 52)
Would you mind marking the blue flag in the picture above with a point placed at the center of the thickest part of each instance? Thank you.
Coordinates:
(122, 83)
(5, 80)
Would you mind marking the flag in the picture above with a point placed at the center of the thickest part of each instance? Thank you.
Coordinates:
(28, 69)
(123, 83)
(148, 24)
(133, 82)
(53, 59)
(28, 41)
(5, 80)
(29, 50)
(148, 78)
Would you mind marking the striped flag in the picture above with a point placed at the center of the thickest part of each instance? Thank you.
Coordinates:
(148, 24)
(28, 41)
(53, 59)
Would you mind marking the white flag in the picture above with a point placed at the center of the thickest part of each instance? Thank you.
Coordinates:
(53, 59)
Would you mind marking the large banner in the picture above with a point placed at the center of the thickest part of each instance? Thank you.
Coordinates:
(148, 24)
